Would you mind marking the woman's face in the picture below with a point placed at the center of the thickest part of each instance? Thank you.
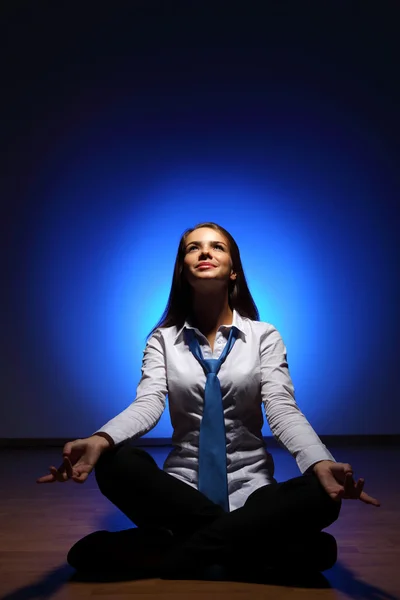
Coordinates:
(207, 245)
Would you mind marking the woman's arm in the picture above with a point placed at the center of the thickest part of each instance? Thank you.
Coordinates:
(287, 423)
(292, 430)
(145, 411)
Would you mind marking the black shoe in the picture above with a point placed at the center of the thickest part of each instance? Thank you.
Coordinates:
(301, 564)
(119, 551)
(303, 561)
(320, 552)
(315, 553)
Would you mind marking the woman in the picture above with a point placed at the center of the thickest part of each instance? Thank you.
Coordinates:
(189, 516)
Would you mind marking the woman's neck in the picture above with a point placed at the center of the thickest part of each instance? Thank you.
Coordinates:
(209, 313)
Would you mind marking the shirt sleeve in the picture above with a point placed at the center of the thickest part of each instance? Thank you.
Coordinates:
(145, 411)
(287, 423)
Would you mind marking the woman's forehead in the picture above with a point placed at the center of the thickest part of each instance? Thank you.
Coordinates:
(206, 235)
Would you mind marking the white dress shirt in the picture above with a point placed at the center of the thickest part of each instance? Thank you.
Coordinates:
(254, 374)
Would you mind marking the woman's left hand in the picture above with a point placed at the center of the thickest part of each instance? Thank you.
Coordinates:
(337, 480)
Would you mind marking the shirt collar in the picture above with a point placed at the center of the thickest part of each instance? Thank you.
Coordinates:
(237, 321)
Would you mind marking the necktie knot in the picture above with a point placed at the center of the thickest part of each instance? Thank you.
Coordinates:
(212, 364)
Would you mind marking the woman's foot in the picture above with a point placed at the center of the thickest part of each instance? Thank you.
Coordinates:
(120, 551)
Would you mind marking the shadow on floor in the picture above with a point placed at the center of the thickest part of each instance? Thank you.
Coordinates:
(340, 578)
(43, 588)
(344, 580)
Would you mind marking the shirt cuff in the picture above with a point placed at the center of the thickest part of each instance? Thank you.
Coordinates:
(116, 435)
(311, 455)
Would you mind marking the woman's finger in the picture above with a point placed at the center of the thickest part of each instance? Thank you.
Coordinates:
(56, 473)
(59, 474)
(61, 468)
(349, 485)
(369, 499)
(45, 479)
(65, 470)
(330, 485)
(68, 467)
(359, 487)
(80, 477)
(338, 494)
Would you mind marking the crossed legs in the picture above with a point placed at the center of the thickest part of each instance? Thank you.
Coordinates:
(279, 522)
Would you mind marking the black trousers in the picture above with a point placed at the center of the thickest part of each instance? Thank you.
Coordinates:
(275, 519)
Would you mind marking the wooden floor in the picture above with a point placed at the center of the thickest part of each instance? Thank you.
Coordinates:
(39, 523)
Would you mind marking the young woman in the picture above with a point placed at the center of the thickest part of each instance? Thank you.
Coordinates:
(215, 502)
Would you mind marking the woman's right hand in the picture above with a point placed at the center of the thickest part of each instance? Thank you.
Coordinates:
(79, 460)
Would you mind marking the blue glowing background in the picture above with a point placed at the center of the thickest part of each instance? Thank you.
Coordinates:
(304, 181)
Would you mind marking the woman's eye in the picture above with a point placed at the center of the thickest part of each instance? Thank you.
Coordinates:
(215, 246)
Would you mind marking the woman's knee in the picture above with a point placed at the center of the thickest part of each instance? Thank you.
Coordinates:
(305, 497)
(119, 462)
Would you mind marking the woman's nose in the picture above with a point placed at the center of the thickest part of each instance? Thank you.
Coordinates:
(205, 252)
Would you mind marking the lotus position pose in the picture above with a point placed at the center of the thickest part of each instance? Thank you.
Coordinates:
(215, 501)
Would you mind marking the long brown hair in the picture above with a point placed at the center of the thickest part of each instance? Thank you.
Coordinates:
(179, 302)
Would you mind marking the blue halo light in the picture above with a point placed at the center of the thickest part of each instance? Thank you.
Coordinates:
(103, 276)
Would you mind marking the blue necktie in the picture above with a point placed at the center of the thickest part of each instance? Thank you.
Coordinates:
(213, 481)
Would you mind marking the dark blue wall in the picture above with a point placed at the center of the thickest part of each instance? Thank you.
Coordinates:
(123, 129)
